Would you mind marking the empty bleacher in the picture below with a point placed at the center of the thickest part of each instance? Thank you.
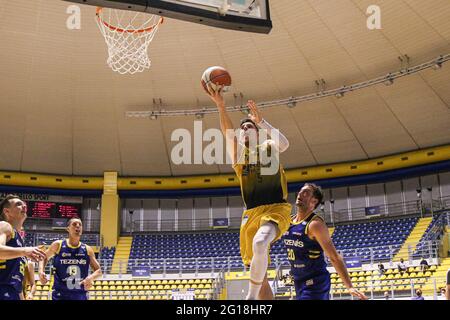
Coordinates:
(380, 239)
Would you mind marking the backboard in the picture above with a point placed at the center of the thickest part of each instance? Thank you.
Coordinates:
(242, 15)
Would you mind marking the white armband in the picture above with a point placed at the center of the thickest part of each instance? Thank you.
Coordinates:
(283, 142)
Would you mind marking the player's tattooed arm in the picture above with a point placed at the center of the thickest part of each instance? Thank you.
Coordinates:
(49, 253)
(7, 253)
(89, 280)
(319, 231)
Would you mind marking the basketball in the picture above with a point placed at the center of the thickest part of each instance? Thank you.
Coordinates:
(216, 75)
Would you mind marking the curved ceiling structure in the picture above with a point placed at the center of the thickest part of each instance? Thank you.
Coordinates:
(63, 109)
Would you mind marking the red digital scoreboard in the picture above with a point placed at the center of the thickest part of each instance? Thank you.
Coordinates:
(48, 209)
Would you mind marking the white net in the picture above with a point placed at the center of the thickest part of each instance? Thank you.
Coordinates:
(127, 35)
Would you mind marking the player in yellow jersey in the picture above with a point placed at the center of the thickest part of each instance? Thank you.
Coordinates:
(264, 191)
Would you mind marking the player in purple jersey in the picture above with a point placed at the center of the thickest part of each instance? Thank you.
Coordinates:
(13, 212)
(306, 241)
(71, 263)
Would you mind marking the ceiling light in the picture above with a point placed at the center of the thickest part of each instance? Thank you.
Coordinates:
(389, 80)
(437, 66)
(339, 94)
(292, 103)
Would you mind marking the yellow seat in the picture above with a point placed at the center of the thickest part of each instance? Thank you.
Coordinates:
(333, 280)
(140, 287)
(133, 288)
(200, 297)
(432, 268)
(395, 271)
(145, 282)
(208, 286)
(361, 278)
(194, 286)
(171, 281)
(142, 297)
(151, 282)
(121, 297)
(138, 282)
(412, 275)
(190, 281)
(167, 287)
(153, 287)
(125, 282)
(197, 281)
(428, 274)
(158, 282)
(397, 276)
(160, 287)
(135, 297)
(184, 281)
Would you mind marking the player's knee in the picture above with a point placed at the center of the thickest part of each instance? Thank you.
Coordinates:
(260, 245)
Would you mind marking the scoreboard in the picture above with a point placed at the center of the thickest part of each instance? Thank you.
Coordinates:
(46, 206)
(51, 209)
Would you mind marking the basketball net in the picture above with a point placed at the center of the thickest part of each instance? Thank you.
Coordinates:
(127, 35)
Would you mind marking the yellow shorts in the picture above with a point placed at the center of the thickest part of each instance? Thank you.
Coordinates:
(252, 219)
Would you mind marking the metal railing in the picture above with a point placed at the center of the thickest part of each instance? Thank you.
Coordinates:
(180, 225)
(213, 265)
(387, 210)
(46, 224)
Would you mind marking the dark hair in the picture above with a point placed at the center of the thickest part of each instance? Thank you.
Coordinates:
(419, 292)
(317, 193)
(5, 204)
(248, 120)
(71, 219)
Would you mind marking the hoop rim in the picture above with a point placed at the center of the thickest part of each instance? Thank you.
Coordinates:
(99, 10)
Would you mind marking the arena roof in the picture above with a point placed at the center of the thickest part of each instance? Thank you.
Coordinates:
(63, 109)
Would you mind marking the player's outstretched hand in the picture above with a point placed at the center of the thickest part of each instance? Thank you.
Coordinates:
(43, 278)
(357, 294)
(216, 95)
(255, 115)
(34, 253)
(87, 283)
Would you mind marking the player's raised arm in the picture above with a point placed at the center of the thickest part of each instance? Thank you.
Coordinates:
(282, 143)
(319, 231)
(89, 280)
(225, 122)
(49, 253)
(7, 253)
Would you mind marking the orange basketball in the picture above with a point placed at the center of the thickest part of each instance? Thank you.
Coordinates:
(216, 75)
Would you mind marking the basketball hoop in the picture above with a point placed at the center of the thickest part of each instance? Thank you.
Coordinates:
(127, 35)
